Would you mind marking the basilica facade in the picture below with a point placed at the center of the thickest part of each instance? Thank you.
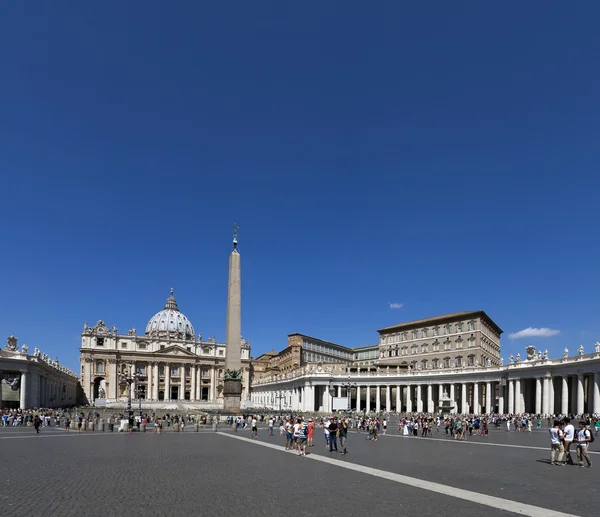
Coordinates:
(168, 366)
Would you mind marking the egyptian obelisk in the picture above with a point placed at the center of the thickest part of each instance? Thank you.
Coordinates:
(232, 388)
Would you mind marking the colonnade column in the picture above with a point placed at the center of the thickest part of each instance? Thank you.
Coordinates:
(453, 398)
(463, 396)
(440, 393)
(511, 397)
(551, 397)
(398, 399)
(429, 398)
(488, 397)
(339, 391)
(156, 382)
(476, 407)
(580, 397)
(358, 398)
(501, 389)
(23, 391)
(564, 395)
(409, 406)
(388, 397)
(378, 399)
(368, 403)
(538, 396)
(545, 396)
(596, 394)
(419, 399)
(518, 396)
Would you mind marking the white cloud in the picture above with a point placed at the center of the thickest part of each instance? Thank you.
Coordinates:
(534, 332)
(394, 305)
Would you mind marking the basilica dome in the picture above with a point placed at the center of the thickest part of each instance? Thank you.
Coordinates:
(170, 320)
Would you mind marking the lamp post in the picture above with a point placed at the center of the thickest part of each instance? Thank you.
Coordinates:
(129, 378)
(349, 385)
(279, 396)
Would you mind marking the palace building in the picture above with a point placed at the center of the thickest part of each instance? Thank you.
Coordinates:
(176, 367)
(451, 362)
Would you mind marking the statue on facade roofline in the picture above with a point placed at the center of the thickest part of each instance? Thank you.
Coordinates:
(580, 350)
(24, 349)
(511, 359)
(597, 347)
(546, 354)
(518, 357)
(36, 352)
(566, 352)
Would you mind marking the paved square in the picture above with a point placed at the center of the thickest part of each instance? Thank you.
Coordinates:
(106, 474)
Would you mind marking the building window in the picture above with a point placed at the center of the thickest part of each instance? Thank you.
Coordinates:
(436, 331)
(424, 349)
(162, 347)
(424, 333)
(447, 345)
(124, 344)
(414, 334)
(161, 371)
(142, 369)
(189, 348)
(459, 343)
(188, 371)
(471, 360)
(142, 346)
(100, 341)
(220, 352)
(99, 367)
(175, 371)
(435, 363)
(436, 347)
(446, 330)
(206, 350)
(404, 336)
(471, 325)
(424, 364)
(459, 361)
(446, 362)
(459, 327)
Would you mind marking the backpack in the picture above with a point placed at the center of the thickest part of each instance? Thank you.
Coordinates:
(591, 435)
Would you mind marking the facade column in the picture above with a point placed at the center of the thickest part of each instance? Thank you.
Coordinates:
(339, 391)
(463, 397)
(398, 399)
(518, 396)
(551, 397)
(511, 397)
(440, 394)
(23, 400)
(580, 397)
(378, 399)
(545, 395)
(488, 398)
(388, 398)
(476, 406)
(193, 391)
(419, 399)
(596, 394)
(149, 375)
(409, 406)
(167, 381)
(538, 396)
(453, 398)
(358, 386)
(156, 382)
(368, 403)
(501, 390)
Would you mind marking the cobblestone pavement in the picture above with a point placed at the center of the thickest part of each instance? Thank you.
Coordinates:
(106, 474)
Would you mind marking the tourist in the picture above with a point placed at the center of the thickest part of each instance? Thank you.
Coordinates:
(254, 428)
(270, 426)
(556, 445)
(67, 424)
(311, 432)
(584, 436)
(333, 434)
(326, 431)
(302, 437)
(37, 422)
(343, 432)
(569, 436)
(288, 435)
(79, 423)
(384, 426)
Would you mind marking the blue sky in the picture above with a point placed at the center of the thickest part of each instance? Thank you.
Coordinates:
(441, 157)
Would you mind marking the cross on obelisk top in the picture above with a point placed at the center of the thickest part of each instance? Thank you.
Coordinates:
(235, 229)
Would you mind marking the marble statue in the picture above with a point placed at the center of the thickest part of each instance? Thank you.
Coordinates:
(131, 331)
(114, 329)
(518, 357)
(11, 344)
(511, 359)
(530, 352)
(24, 349)
(580, 350)
(85, 327)
(546, 354)
(36, 352)
(387, 370)
(566, 352)
(597, 347)
(101, 393)
(539, 356)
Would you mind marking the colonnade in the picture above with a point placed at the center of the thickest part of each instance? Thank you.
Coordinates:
(577, 393)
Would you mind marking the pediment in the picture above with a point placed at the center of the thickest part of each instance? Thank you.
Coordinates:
(175, 351)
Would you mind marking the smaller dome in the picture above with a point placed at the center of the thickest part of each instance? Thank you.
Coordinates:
(170, 320)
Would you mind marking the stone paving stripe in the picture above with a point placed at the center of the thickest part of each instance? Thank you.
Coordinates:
(458, 493)
(470, 442)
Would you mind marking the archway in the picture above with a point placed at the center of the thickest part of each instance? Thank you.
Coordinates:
(99, 391)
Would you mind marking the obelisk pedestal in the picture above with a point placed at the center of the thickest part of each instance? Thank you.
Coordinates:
(232, 386)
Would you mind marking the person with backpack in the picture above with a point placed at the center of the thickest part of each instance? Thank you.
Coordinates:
(584, 438)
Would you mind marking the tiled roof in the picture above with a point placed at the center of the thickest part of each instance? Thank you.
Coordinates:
(438, 319)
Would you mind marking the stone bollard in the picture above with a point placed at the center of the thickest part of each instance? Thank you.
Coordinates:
(215, 426)
(91, 425)
(101, 425)
(142, 428)
(175, 428)
(196, 427)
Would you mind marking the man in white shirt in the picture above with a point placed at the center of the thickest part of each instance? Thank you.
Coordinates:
(583, 440)
(254, 433)
(569, 432)
(556, 446)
